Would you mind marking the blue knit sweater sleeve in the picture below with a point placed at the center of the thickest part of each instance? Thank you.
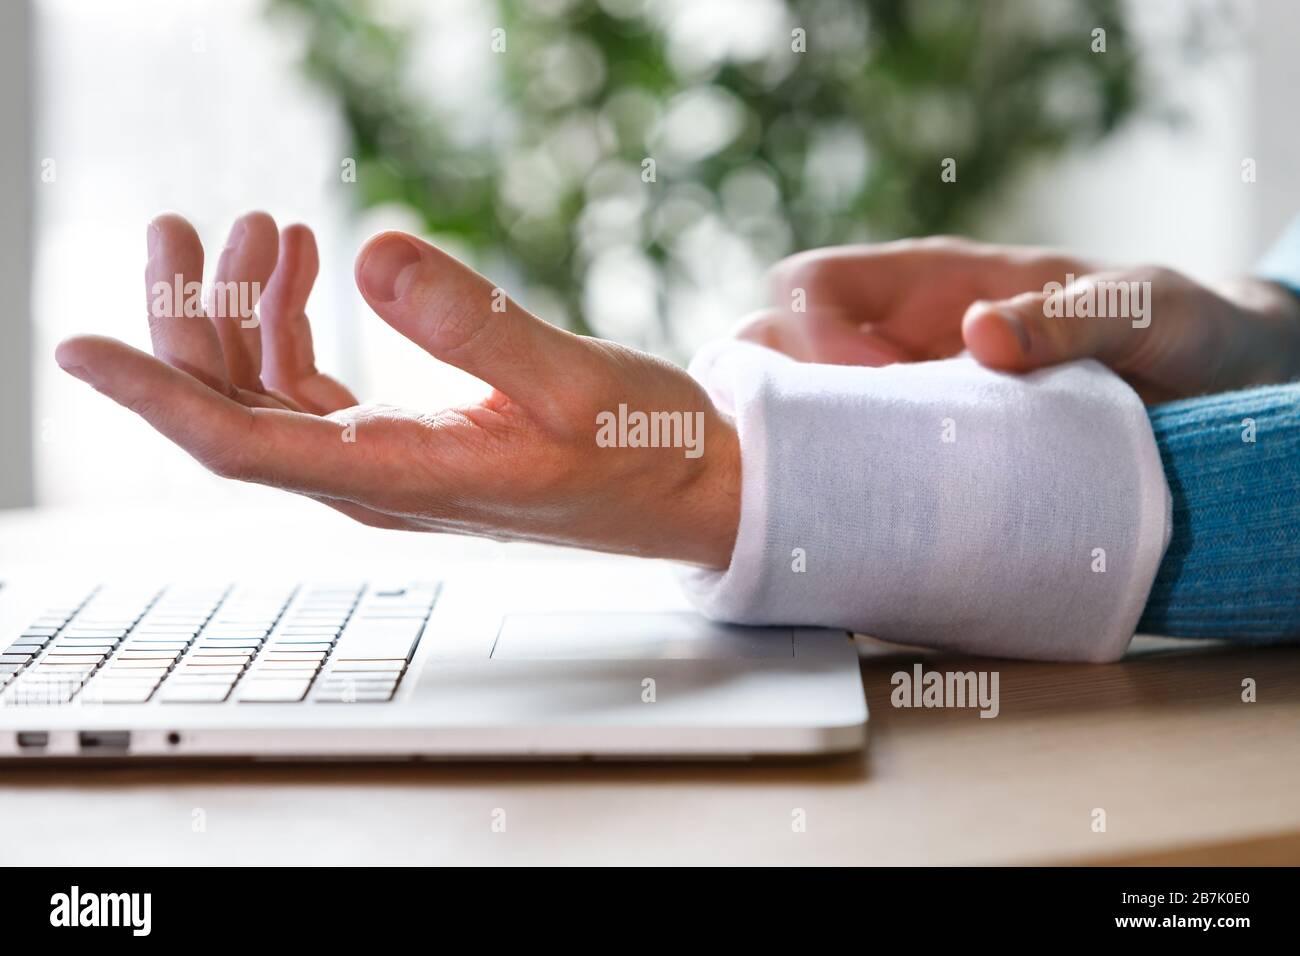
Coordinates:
(1232, 569)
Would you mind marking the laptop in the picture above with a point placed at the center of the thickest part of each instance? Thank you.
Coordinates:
(538, 660)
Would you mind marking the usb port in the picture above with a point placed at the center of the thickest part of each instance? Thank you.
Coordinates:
(33, 739)
(118, 740)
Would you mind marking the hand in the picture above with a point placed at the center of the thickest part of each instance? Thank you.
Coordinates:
(930, 298)
(241, 393)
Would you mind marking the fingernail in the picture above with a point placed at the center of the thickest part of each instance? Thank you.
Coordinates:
(388, 268)
(151, 240)
(76, 371)
(1017, 326)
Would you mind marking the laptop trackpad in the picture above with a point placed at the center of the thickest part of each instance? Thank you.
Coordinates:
(664, 636)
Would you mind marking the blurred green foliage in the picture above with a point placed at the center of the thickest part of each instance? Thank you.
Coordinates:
(784, 148)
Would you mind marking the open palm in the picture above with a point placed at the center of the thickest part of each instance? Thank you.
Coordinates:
(242, 394)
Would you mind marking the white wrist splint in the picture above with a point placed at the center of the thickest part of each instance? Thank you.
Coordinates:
(939, 503)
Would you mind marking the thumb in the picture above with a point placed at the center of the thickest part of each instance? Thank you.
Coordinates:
(459, 317)
(1036, 329)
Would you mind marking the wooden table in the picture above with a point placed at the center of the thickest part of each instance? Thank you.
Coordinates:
(1185, 771)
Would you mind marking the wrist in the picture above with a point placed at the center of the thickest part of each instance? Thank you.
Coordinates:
(1270, 316)
(710, 503)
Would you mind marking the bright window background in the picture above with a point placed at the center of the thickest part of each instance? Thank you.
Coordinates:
(198, 107)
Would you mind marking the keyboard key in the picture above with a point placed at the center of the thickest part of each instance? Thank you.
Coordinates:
(76, 647)
(209, 660)
(68, 664)
(131, 674)
(56, 675)
(352, 688)
(128, 663)
(175, 693)
(34, 676)
(118, 693)
(36, 698)
(356, 696)
(15, 658)
(380, 641)
(225, 680)
(310, 666)
(268, 677)
(233, 670)
(164, 655)
(367, 679)
(123, 680)
(355, 666)
(271, 691)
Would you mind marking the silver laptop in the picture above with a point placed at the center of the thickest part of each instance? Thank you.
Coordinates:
(512, 664)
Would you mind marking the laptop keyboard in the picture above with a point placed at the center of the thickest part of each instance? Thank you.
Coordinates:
(248, 644)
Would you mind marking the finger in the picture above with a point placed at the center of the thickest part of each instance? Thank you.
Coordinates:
(765, 328)
(1037, 329)
(864, 279)
(245, 267)
(288, 355)
(181, 333)
(824, 336)
(302, 453)
(839, 276)
(286, 338)
(867, 276)
(459, 317)
(906, 296)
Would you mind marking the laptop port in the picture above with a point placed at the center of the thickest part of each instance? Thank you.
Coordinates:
(33, 739)
(117, 740)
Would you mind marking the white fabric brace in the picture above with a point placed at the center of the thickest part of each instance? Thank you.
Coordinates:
(939, 503)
